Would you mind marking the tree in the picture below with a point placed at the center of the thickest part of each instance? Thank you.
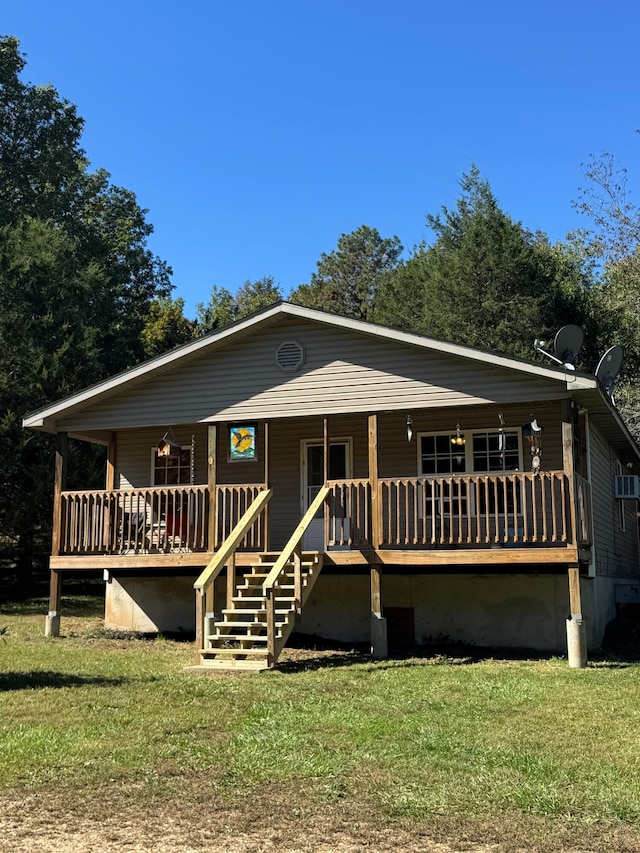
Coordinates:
(223, 307)
(348, 279)
(166, 326)
(485, 281)
(77, 283)
(612, 245)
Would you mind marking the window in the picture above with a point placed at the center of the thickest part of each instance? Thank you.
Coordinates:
(172, 470)
(483, 452)
(496, 451)
(438, 456)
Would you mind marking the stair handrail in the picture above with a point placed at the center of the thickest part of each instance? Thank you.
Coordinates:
(230, 545)
(294, 541)
(293, 548)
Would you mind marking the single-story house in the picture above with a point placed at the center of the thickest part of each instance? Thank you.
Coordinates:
(297, 469)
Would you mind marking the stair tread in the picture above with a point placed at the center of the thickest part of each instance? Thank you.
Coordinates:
(250, 652)
(247, 611)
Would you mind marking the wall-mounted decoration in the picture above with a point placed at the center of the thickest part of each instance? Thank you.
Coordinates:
(242, 443)
(533, 434)
(168, 447)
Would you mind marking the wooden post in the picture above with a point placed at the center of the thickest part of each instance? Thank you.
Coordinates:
(200, 605)
(231, 580)
(267, 525)
(110, 479)
(52, 625)
(297, 578)
(575, 600)
(576, 630)
(376, 589)
(212, 481)
(568, 465)
(379, 639)
(110, 507)
(325, 476)
(376, 502)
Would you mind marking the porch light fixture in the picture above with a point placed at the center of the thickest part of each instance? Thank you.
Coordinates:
(458, 439)
(409, 428)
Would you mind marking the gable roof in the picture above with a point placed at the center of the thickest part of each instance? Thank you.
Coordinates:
(145, 376)
(234, 332)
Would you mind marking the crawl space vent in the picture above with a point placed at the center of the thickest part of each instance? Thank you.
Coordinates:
(290, 356)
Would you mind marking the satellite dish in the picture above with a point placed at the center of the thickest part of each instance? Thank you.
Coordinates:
(609, 367)
(567, 345)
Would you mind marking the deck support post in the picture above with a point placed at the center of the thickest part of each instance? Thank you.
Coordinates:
(576, 633)
(379, 641)
(52, 624)
(212, 477)
(376, 503)
(267, 485)
(326, 444)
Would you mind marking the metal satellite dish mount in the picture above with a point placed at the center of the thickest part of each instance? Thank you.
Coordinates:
(566, 346)
(608, 369)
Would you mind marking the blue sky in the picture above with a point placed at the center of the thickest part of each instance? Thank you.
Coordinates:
(257, 133)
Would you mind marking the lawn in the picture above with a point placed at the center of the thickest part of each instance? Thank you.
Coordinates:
(105, 743)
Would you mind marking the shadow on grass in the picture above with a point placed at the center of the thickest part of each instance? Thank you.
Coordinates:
(312, 653)
(76, 605)
(47, 678)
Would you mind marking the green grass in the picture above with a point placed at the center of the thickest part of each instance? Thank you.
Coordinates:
(427, 742)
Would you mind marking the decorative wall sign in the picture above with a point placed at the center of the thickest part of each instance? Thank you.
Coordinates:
(242, 443)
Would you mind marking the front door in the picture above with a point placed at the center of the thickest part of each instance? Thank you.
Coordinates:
(312, 478)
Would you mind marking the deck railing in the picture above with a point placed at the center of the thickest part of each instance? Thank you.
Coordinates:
(154, 519)
(476, 510)
(348, 514)
(471, 510)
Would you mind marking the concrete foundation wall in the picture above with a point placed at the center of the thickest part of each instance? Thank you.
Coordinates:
(487, 610)
(150, 604)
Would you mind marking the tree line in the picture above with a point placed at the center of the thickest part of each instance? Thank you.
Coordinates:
(83, 297)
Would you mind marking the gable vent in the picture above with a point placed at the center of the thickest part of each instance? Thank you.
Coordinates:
(290, 356)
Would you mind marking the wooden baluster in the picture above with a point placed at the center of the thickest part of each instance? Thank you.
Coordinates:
(543, 489)
(555, 486)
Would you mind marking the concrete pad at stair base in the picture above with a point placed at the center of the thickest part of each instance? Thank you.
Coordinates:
(379, 643)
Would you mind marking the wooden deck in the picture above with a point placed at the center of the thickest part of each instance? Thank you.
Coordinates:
(518, 518)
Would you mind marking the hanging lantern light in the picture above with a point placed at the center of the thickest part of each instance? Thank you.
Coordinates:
(458, 439)
(409, 428)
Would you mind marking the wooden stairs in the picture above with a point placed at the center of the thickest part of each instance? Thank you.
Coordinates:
(248, 637)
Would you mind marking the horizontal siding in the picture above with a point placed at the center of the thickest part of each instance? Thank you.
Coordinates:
(343, 372)
(617, 552)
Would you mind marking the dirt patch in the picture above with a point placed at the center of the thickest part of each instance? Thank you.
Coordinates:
(195, 819)
(35, 825)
